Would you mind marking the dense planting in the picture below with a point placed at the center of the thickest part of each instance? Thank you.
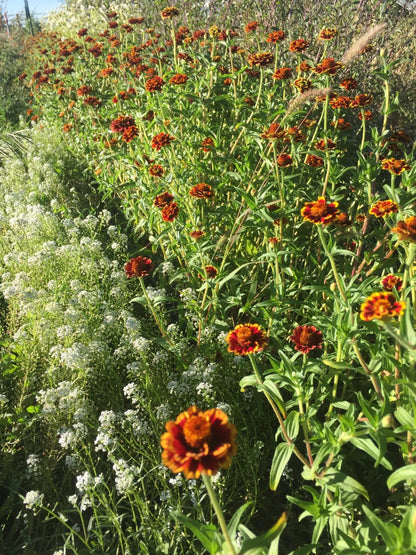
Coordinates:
(209, 295)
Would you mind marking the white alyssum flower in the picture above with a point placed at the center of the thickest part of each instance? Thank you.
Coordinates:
(33, 498)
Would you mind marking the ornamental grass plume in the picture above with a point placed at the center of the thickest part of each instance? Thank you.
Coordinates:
(199, 442)
(359, 45)
(302, 99)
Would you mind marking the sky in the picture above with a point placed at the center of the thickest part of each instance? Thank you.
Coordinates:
(36, 7)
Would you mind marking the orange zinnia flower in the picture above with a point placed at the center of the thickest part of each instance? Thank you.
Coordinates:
(211, 272)
(120, 124)
(362, 100)
(154, 84)
(160, 140)
(202, 190)
(282, 73)
(197, 234)
(274, 132)
(406, 229)
(302, 84)
(260, 59)
(314, 161)
(298, 45)
(390, 282)
(252, 26)
(383, 208)
(246, 339)
(138, 267)
(306, 338)
(178, 79)
(395, 166)
(381, 306)
(130, 133)
(349, 84)
(275, 36)
(199, 442)
(169, 12)
(325, 144)
(327, 34)
(170, 212)
(341, 102)
(320, 212)
(329, 66)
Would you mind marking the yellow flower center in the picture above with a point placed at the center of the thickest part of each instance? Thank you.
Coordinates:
(197, 431)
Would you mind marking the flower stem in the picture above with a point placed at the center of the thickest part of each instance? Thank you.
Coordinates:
(338, 281)
(218, 511)
(152, 310)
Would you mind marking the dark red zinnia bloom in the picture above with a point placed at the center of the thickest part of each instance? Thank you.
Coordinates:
(298, 45)
(314, 161)
(154, 84)
(202, 190)
(325, 144)
(284, 160)
(275, 36)
(246, 339)
(391, 281)
(120, 124)
(170, 212)
(163, 199)
(282, 73)
(156, 170)
(306, 338)
(252, 26)
(320, 212)
(138, 267)
(178, 79)
(199, 442)
(130, 133)
(160, 140)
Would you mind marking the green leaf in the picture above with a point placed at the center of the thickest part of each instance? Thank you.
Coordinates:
(387, 531)
(292, 424)
(368, 446)
(405, 418)
(281, 457)
(337, 478)
(404, 473)
(256, 546)
(235, 519)
(206, 533)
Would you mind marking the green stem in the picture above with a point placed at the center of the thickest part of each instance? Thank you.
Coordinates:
(278, 414)
(152, 310)
(338, 281)
(218, 511)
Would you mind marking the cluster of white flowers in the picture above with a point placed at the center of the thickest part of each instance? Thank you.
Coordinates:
(33, 499)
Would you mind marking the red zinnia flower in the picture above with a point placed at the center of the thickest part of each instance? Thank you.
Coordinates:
(120, 124)
(207, 144)
(246, 339)
(170, 212)
(138, 267)
(319, 212)
(156, 170)
(395, 166)
(199, 442)
(341, 102)
(84, 90)
(341, 123)
(381, 306)
(130, 133)
(211, 271)
(163, 199)
(383, 208)
(390, 282)
(284, 160)
(306, 338)
(362, 100)
(367, 115)
(160, 140)
(202, 190)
